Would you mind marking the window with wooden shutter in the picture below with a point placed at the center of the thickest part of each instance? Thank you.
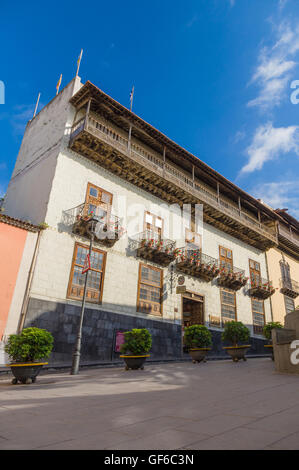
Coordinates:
(149, 296)
(258, 315)
(98, 201)
(255, 273)
(192, 240)
(228, 305)
(289, 304)
(153, 224)
(226, 258)
(95, 275)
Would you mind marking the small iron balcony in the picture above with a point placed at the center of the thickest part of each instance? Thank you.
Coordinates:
(152, 247)
(232, 277)
(289, 287)
(196, 264)
(106, 227)
(261, 288)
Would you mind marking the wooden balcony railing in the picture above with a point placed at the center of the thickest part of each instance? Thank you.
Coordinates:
(261, 288)
(106, 228)
(288, 235)
(155, 163)
(232, 277)
(196, 264)
(289, 287)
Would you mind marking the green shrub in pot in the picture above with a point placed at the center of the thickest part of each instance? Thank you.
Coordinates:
(26, 350)
(235, 332)
(31, 345)
(197, 336)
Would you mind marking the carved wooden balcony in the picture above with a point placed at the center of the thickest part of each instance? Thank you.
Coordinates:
(196, 264)
(289, 287)
(261, 288)
(151, 247)
(106, 228)
(232, 277)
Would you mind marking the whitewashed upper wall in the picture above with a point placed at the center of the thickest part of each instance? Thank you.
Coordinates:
(29, 188)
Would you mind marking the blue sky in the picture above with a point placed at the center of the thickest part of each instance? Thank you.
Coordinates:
(214, 75)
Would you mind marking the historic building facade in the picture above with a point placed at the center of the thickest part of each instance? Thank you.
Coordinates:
(175, 242)
(283, 266)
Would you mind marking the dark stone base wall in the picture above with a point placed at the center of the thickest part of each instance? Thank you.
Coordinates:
(99, 329)
(257, 346)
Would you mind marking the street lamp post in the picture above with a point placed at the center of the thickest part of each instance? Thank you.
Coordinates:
(77, 350)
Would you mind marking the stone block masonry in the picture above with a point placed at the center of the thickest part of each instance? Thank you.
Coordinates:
(99, 329)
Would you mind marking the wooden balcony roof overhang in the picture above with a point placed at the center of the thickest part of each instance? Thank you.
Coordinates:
(103, 104)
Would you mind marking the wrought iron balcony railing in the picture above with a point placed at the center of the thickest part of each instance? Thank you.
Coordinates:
(261, 288)
(232, 277)
(289, 287)
(106, 227)
(150, 246)
(196, 264)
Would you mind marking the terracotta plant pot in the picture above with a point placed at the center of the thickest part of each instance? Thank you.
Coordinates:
(25, 372)
(198, 354)
(135, 362)
(237, 352)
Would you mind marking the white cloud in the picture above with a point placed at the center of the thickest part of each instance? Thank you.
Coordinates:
(280, 194)
(269, 143)
(275, 63)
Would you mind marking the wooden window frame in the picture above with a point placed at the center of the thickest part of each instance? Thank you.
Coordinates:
(255, 311)
(149, 284)
(70, 283)
(145, 228)
(288, 299)
(222, 258)
(189, 232)
(253, 270)
(101, 190)
(224, 289)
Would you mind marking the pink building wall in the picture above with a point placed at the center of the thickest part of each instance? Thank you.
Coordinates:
(12, 243)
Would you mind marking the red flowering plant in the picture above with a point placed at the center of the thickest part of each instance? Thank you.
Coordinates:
(159, 245)
(177, 252)
(151, 243)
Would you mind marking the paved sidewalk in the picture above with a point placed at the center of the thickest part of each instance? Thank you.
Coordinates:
(214, 405)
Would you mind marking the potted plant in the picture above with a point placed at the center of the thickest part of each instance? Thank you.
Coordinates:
(137, 344)
(197, 338)
(26, 350)
(267, 331)
(236, 332)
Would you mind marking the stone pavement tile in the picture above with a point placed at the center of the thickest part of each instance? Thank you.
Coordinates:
(283, 423)
(98, 441)
(216, 424)
(290, 442)
(265, 408)
(167, 440)
(237, 439)
(153, 425)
